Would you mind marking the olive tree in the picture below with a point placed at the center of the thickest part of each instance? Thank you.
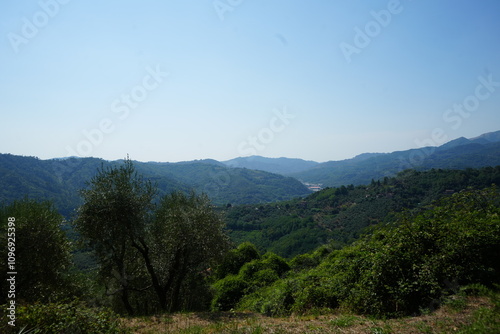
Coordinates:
(158, 249)
(187, 240)
(113, 217)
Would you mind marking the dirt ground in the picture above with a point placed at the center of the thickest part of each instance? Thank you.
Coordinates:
(444, 320)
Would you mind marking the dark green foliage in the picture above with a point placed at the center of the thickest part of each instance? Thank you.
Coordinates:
(229, 291)
(270, 262)
(252, 275)
(401, 268)
(365, 167)
(60, 180)
(42, 258)
(186, 240)
(151, 257)
(58, 318)
(310, 260)
(111, 221)
(412, 265)
(236, 258)
(341, 214)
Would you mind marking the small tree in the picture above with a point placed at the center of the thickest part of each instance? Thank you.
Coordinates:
(112, 219)
(188, 239)
(163, 251)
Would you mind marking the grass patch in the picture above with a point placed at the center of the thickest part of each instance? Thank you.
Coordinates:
(479, 315)
(345, 321)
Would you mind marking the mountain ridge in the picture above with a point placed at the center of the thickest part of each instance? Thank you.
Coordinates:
(460, 153)
(241, 180)
(60, 180)
(411, 158)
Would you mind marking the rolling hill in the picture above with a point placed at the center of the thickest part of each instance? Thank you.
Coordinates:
(247, 180)
(273, 165)
(60, 180)
(461, 153)
(361, 169)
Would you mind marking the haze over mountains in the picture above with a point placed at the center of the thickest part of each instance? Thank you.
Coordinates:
(460, 153)
(245, 180)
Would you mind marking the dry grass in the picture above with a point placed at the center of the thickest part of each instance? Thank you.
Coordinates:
(445, 320)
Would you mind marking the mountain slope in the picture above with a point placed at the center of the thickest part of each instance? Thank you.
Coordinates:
(273, 165)
(341, 214)
(59, 180)
(460, 153)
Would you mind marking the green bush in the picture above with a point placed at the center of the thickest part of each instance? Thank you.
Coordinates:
(314, 291)
(236, 258)
(303, 261)
(59, 318)
(400, 269)
(276, 263)
(418, 262)
(274, 300)
(228, 291)
(265, 277)
(269, 261)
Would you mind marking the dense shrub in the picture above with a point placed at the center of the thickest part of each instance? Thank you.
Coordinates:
(59, 318)
(228, 291)
(412, 265)
(274, 300)
(252, 275)
(236, 258)
(402, 268)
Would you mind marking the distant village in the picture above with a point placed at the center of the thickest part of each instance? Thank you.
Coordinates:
(314, 186)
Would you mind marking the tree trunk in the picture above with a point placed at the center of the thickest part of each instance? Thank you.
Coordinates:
(126, 302)
(161, 292)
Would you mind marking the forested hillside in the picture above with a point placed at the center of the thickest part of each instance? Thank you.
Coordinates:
(459, 154)
(410, 266)
(340, 214)
(395, 247)
(60, 180)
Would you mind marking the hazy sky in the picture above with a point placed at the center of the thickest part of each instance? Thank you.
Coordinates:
(183, 80)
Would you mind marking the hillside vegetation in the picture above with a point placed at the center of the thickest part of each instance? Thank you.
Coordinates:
(60, 180)
(339, 215)
(402, 268)
(413, 245)
(363, 168)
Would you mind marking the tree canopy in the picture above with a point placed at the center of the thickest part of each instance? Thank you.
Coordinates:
(148, 251)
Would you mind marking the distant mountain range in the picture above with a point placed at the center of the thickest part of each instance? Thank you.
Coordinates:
(60, 180)
(282, 166)
(246, 180)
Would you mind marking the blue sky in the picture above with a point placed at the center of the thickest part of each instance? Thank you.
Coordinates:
(184, 80)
